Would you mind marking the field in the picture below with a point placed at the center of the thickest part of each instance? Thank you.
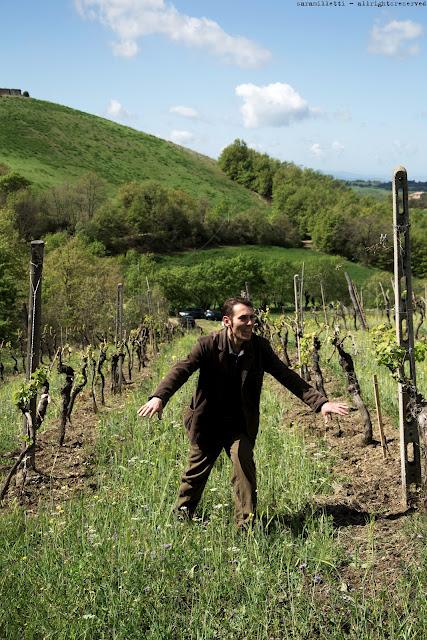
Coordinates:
(332, 556)
(51, 144)
(359, 273)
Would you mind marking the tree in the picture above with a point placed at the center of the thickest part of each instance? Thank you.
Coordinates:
(91, 192)
(79, 289)
(11, 183)
(236, 161)
(12, 274)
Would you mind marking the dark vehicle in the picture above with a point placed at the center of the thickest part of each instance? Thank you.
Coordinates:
(211, 314)
(197, 314)
(187, 322)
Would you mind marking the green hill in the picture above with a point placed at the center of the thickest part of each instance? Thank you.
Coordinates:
(51, 144)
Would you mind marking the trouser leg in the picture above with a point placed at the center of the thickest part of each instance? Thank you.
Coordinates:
(200, 463)
(243, 479)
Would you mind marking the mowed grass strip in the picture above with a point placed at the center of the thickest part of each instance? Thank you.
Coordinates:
(265, 254)
(117, 565)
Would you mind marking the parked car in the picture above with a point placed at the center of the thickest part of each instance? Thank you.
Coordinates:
(186, 321)
(211, 314)
(196, 313)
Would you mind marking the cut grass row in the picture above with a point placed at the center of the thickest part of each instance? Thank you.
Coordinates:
(296, 257)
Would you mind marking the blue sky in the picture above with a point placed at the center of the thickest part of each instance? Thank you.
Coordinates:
(335, 88)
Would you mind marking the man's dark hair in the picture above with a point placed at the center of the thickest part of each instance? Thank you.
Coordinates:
(227, 307)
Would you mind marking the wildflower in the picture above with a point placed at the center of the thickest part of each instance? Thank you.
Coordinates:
(167, 546)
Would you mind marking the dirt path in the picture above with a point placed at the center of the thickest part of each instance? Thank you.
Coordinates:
(366, 504)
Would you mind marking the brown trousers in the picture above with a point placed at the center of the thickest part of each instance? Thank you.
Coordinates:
(202, 458)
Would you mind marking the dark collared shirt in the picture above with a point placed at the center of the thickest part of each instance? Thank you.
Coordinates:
(233, 410)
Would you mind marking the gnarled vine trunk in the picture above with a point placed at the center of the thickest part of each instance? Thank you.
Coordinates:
(347, 365)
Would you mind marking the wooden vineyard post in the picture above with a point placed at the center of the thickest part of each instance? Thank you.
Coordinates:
(297, 318)
(119, 336)
(153, 340)
(356, 303)
(409, 436)
(34, 335)
(379, 416)
(247, 291)
(324, 305)
(301, 303)
(386, 303)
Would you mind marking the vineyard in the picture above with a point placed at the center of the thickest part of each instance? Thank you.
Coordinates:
(96, 552)
(91, 545)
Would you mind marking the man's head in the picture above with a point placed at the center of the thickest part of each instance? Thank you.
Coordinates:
(239, 318)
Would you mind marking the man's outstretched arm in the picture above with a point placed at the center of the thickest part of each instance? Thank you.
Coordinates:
(299, 387)
(170, 384)
(333, 407)
(150, 408)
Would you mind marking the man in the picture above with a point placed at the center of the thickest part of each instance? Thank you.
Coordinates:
(224, 411)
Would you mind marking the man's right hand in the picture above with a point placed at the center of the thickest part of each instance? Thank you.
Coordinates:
(150, 408)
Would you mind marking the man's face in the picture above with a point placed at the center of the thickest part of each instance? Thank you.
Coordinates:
(241, 322)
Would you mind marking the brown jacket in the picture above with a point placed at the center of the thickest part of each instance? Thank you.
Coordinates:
(203, 418)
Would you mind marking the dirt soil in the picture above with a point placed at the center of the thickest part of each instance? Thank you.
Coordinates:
(374, 529)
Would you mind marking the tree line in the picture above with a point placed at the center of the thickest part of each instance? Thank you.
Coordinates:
(336, 218)
(94, 238)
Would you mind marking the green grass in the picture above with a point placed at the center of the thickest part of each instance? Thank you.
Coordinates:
(51, 144)
(359, 273)
(116, 565)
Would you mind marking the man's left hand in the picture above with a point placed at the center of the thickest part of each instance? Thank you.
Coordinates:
(333, 407)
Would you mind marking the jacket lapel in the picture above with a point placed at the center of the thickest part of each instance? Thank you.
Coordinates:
(247, 360)
(222, 347)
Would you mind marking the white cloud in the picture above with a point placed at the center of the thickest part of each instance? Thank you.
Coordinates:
(117, 111)
(337, 146)
(316, 150)
(273, 105)
(181, 137)
(396, 38)
(185, 112)
(131, 20)
(125, 48)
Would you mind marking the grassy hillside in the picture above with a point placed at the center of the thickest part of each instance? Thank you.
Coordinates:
(50, 144)
(359, 273)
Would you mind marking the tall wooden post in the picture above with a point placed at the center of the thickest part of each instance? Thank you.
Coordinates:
(119, 335)
(301, 299)
(247, 291)
(153, 340)
(34, 334)
(297, 318)
(324, 305)
(409, 436)
(356, 303)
